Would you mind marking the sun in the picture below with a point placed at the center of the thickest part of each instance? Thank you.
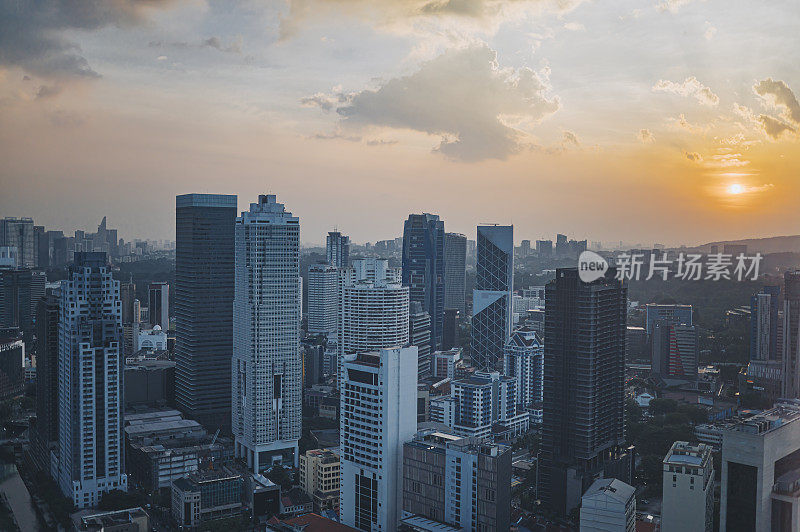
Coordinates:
(735, 188)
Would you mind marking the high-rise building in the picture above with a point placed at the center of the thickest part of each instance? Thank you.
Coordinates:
(323, 299)
(680, 314)
(20, 292)
(464, 483)
(158, 294)
(562, 245)
(18, 233)
(12, 364)
(450, 329)
(128, 295)
(338, 249)
(90, 366)
(267, 378)
(491, 301)
(759, 482)
(675, 350)
(609, 505)
(791, 334)
(523, 361)
(764, 307)
(377, 418)
(424, 267)
(455, 272)
(44, 436)
(374, 307)
(688, 500)
(204, 285)
(583, 429)
(544, 248)
(419, 335)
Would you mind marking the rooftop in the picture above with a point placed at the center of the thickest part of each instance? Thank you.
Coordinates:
(612, 488)
(784, 412)
(685, 453)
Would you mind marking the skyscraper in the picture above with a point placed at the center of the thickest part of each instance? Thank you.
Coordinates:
(678, 314)
(267, 376)
(377, 417)
(583, 427)
(18, 233)
(44, 435)
(424, 269)
(90, 365)
(204, 307)
(338, 249)
(764, 324)
(158, 294)
(791, 334)
(20, 292)
(323, 299)
(455, 272)
(419, 335)
(374, 308)
(492, 298)
(675, 350)
(522, 361)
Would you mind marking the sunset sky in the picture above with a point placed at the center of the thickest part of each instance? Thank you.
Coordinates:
(672, 121)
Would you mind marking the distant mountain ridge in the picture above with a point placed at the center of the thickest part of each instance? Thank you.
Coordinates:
(773, 244)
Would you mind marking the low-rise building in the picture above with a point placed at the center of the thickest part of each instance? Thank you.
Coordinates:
(129, 520)
(296, 502)
(319, 478)
(207, 495)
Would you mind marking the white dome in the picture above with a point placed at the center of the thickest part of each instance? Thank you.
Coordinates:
(157, 328)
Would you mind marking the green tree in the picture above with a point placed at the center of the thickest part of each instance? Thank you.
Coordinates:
(663, 406)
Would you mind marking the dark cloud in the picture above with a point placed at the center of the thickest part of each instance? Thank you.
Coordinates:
(773, 127)
(778, 94)
(462, 96)
(48, 91)
(693, 156)
(31, 32)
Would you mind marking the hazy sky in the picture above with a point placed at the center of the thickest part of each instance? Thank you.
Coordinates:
(644, 120)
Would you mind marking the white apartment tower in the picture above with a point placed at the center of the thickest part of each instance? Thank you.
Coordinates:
(523, 361)
(377, 418)
(90, 365)
(323, 299)
(266, 369)
(374, 307)
(688, 502)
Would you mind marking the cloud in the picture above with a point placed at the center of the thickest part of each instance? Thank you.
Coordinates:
(32, 33)
(646, 136)
(574, 26)
(672, 5)
(693, 156)
(462, 96)
(727, 160)
(682, 123)
(48, 91)
(233, 47)
(772, 127)
(571, 139)
(777, 95)
(710, 31)
(689, 87)
(326, 102)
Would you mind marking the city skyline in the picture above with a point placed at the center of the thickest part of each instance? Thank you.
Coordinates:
(678, 116)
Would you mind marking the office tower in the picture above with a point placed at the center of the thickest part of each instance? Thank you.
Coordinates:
(158, 295)
(464, 483)
(204, 285)
(544, 248)
(44, 436)
(562, 246)
(681, 314)
(424, 268)
(759, 471)
(319, 478)
(791, 334)
(688, 496)
(583, 428)
(377, 417)
(491, 300)
(267, 379)
(338, 249)
(522, 361)
(12, 364)
(449, 329)
(764, 308)
(636, 343)
(455, 271)
(419, 335)
(374, 307)
(483, 405)
(18, 233)
(675, 351)
(443, 363)
(323, 299)
(609, 505)
(90, 366)
(8, 257)
(525, 248)
(127, 295)
(20, 292)
(313, 364)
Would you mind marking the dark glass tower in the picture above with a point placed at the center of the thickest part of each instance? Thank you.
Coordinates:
(455, 271)
(423, 268)
(204, 284)
(583, 429)
(44, 436)
(491, 299)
